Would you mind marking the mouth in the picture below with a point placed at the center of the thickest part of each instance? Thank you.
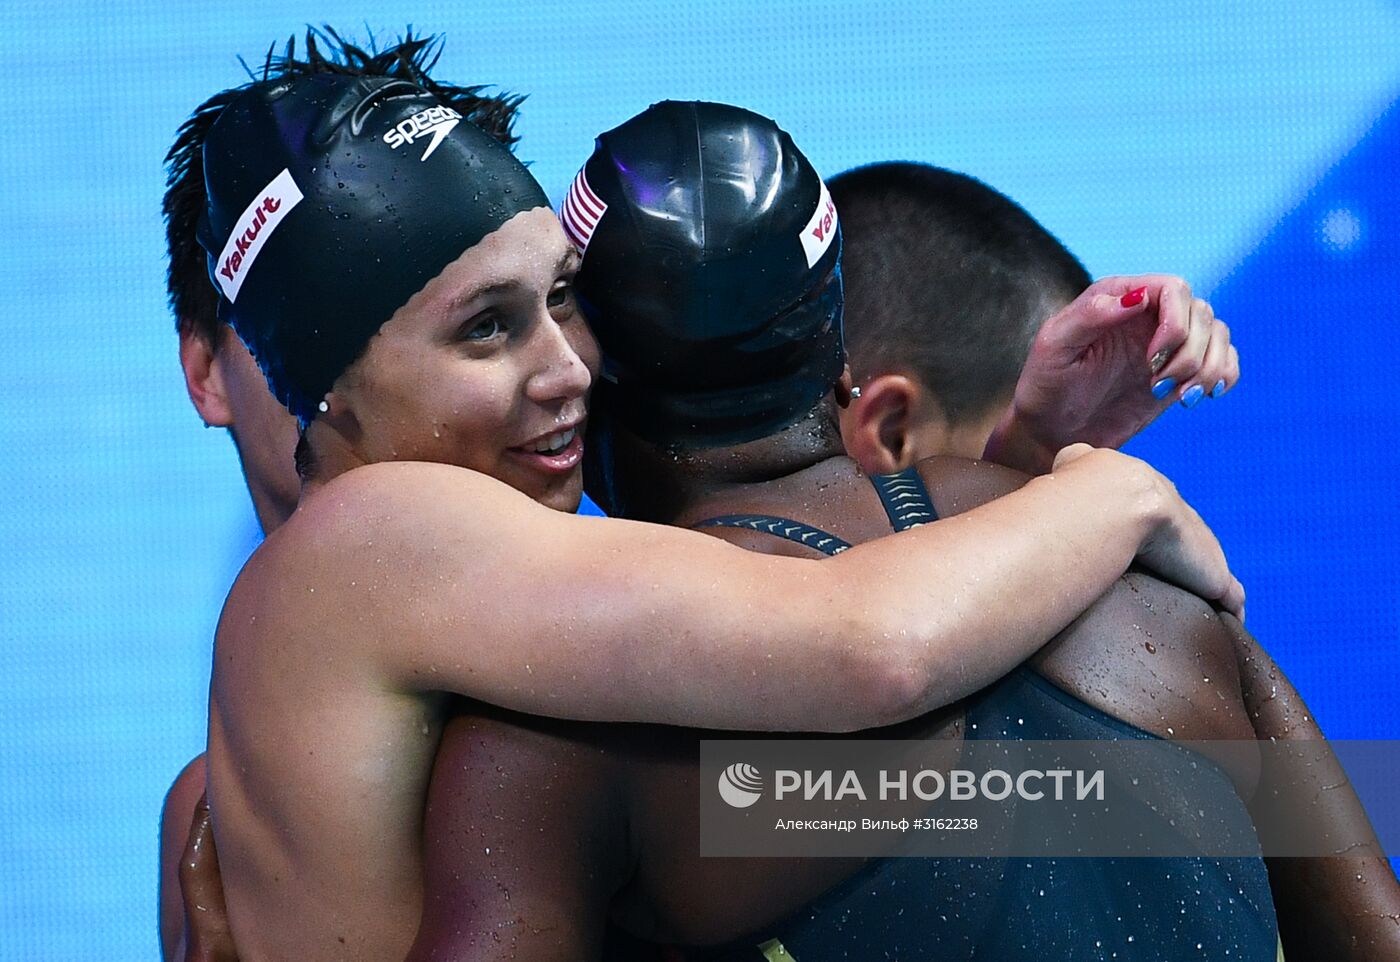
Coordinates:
(556, 453)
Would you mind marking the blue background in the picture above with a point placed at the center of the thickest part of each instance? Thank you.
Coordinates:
(1250, 146)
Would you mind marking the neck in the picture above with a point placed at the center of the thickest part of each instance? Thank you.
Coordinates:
(653, 483)
(270, 508)
(327, 455)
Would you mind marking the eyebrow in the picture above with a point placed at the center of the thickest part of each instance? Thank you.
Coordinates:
(569, 260)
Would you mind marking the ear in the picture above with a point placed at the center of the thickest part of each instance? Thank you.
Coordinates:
(876, 427)
(204, 379)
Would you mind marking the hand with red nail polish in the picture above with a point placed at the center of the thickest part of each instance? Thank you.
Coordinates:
(1091, 368)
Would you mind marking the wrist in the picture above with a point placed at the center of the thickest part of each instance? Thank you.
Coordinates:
(1014, 444)
(1126, 488)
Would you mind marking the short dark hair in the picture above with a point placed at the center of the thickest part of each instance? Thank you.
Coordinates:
(947, 279)
(193, 298)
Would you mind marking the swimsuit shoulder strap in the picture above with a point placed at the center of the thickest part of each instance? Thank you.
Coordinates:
(903, 494)
(796, 531)
(905, 498)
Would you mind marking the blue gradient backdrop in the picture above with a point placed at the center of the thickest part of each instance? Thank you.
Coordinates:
(1250, 146)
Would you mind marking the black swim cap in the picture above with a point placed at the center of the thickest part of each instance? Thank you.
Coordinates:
(331, 201)
(711, 274)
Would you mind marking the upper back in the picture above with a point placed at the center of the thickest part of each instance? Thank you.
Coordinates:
(1147, 652)
(1151, 656)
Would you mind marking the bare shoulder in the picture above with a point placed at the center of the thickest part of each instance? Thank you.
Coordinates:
(1156, 657)
(351, 559)
(372, 520)
(959, 484)
(1147, 652)
(395, 498)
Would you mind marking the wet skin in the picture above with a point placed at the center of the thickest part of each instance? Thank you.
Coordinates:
(539, 833)
(501, 363)
(398, 580)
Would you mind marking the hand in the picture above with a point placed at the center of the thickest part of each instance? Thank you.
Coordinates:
(208, 935)
(1179, 547)
(1108, 364)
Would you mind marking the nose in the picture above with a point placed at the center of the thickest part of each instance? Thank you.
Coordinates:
(568, 360)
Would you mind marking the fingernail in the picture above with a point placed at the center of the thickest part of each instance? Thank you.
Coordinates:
(1159, 359)
(1193, 395)
(1133, 298)
(1163, 387)
(1218, 390)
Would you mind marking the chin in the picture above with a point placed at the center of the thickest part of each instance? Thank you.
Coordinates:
(565, 495)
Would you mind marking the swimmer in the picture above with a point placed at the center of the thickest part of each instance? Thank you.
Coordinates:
(945, 275)
(624, 801)
(674, 450)
(951, 288)
(617, 800)
(459, 349)
(221, 377)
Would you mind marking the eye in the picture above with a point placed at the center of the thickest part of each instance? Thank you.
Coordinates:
(561, 296)
(482, 328)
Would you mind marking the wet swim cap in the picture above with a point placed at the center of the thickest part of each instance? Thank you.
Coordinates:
(331, 201)
(711, 274)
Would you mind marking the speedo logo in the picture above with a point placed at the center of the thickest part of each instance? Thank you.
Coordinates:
(252, 229)
(821, 229)
(435, 121)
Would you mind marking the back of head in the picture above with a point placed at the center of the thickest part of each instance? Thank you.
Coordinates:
(332, 199)
(946, 279)
(711, 274)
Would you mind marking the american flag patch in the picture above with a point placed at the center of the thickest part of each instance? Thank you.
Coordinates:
(580, 212)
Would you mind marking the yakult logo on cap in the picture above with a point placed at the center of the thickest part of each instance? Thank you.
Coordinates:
(580, 212)
(258, 220)
(821, 229)
(437, 121)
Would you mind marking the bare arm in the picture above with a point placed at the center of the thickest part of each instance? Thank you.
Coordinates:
(1345, 908)
(525, 842)
(490, 595)
(175, 817)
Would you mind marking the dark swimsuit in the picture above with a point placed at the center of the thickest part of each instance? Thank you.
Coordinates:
(1026, 909)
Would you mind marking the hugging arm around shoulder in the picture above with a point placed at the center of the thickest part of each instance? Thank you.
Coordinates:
(606, 620)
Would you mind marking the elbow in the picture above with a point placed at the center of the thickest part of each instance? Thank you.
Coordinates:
(887, 684)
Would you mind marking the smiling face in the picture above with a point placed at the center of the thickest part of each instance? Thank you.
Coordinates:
(487, 367)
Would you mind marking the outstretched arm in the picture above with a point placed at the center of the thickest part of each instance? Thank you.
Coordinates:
(1107, 365)
(488, 594)
(1344, 908)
